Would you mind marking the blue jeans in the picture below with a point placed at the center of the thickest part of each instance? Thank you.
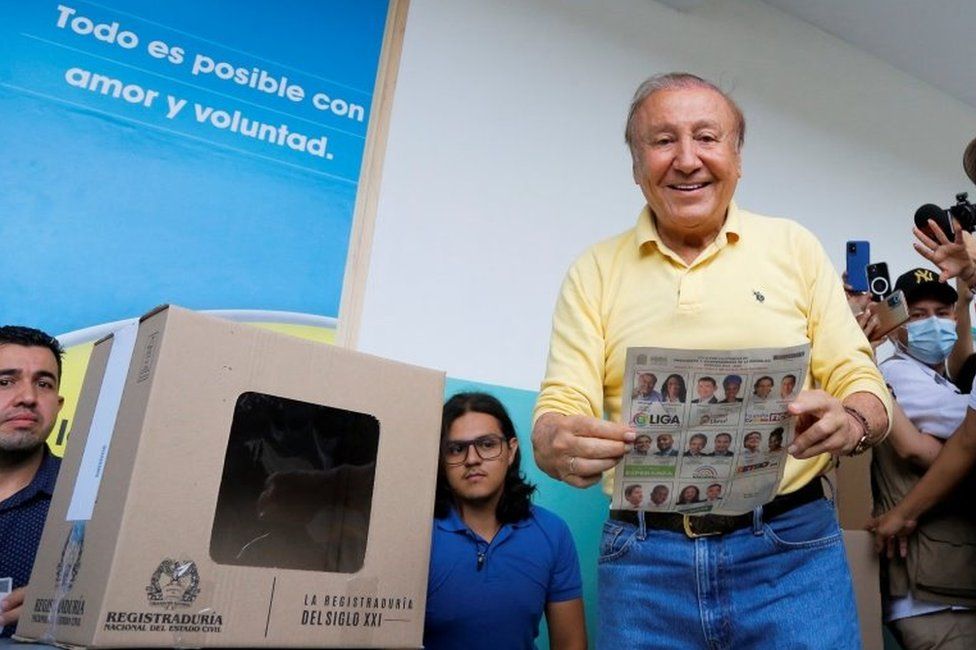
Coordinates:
(781, 584)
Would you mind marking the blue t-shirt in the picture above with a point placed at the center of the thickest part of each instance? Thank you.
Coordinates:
(491, 596)
(21, 523)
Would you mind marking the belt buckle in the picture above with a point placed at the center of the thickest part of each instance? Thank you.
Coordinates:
(686, 521)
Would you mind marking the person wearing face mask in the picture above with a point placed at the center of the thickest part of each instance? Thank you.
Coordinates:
(917, 372)
(923, 593)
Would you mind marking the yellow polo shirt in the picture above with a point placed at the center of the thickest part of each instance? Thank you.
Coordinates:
(763, 282)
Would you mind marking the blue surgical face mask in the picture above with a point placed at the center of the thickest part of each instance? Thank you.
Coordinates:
(930, 340)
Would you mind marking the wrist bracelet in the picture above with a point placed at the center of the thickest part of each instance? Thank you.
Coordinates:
(864, 442)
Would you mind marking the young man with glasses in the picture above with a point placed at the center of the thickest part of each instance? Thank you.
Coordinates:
(497, 561)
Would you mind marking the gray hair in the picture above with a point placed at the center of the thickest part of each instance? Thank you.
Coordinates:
(675, 81)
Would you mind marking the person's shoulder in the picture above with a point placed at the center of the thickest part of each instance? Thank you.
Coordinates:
(547, 518)
(778, 228)
(765, 221)
(610, 247)
(897, 367)
(553, 528)
(550, 522)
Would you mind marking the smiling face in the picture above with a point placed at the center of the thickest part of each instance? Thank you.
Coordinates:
(29, 400)
(764, 386)
(645, 383)
(705, 389)
(752, 440)
(722, 442)
(696, 443)
(664, 442)
(689, 494)
(687, 161)
(786, 386)
(659, 494)
(642, 444)
(731, 390)
(672, 387)
(477, 479)
(634, 495)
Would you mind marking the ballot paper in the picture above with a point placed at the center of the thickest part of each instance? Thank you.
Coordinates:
(712, 428)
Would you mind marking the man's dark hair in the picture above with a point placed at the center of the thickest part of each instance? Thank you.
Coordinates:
(756, 385)
(630, 489)
(710, 380)
(516, 500)
(30, 337)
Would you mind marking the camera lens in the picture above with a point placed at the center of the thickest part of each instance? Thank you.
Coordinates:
(879, 286)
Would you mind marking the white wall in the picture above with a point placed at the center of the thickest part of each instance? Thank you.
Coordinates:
(506, 157)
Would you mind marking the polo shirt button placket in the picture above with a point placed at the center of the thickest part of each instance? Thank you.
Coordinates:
(482, 548)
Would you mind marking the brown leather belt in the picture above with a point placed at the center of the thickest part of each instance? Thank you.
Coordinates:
(705, 525)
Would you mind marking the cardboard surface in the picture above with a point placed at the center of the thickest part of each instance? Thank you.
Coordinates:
(206, 404)
(864, 564)
(853, 481)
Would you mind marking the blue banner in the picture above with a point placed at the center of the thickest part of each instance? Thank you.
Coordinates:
(201, 153)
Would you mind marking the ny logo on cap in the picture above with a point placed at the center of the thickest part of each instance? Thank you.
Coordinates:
(923, 275)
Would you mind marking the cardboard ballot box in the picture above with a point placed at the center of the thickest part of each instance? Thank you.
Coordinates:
(228, 486)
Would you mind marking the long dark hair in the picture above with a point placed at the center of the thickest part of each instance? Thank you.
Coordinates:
(516, 498)
(682, 391)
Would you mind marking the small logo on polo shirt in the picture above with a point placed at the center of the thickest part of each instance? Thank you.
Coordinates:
(759, 296)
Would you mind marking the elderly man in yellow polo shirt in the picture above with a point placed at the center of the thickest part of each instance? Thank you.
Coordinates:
(699, 272)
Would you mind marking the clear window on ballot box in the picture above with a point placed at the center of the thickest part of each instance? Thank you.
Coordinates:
(297, 486)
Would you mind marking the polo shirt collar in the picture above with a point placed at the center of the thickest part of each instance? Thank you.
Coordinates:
(646, 231)
(453, 523)
(935, 376)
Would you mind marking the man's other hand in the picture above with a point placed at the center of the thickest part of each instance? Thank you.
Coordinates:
(577, 449)
(870, 325)
(891, 531)
(10, 607)
(954, 258)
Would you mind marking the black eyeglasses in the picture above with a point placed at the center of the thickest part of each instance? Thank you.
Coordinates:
(487, 447)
